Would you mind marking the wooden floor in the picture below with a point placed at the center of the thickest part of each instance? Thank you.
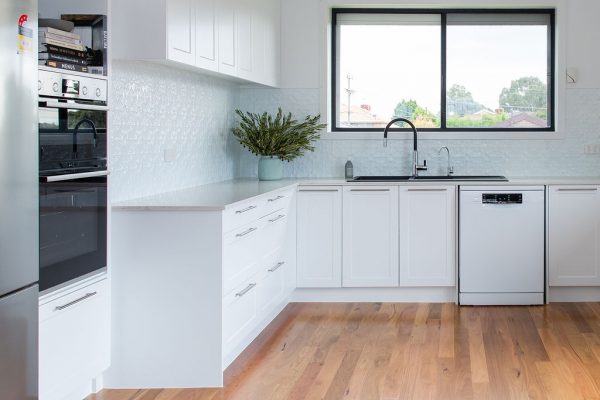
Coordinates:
(413, 351)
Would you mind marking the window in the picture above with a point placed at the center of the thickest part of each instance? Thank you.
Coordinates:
(445, 70)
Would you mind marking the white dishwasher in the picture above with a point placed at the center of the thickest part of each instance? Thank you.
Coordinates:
(501, 245)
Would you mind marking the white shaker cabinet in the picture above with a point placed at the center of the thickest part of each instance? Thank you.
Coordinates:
(181, 31)
(234, 38)
(319, 240)
(427, 235)
(370, 236)
(574, 235)
(74, 338)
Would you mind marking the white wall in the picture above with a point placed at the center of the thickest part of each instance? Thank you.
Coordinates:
(156, 108)
(303, 77)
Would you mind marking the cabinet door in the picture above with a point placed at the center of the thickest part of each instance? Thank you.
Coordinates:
(272, 43)
(227, 34)
(574, 235)
(427, 236)
(206, 35)
(319, 237)
(74, 340)
(370, 236)
(181, 31)
(245, 27)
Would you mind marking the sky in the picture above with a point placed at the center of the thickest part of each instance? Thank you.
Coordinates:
(391, 63)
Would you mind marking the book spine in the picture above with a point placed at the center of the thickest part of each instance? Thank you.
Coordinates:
(48, 48)
(59, 37)
(62, 58)
(61, 44)
(59, 32)
(66, 66)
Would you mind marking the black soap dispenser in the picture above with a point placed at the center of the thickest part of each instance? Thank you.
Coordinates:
(349, 170)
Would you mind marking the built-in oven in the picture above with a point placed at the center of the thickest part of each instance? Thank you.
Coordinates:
(73, 177)
(73, 220)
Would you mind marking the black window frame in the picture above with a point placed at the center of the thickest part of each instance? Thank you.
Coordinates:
(552, 84)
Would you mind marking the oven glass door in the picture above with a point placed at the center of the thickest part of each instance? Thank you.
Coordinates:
(71, 136)
(72, 229)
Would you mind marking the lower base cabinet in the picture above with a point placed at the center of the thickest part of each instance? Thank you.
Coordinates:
(427, 236)
(574, 235)
(74, 339)
(370, 236)
(196, 287)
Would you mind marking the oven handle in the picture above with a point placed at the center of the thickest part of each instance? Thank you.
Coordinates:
(72, 106)
(71, 177)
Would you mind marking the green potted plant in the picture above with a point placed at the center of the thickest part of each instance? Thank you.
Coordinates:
(276, 139)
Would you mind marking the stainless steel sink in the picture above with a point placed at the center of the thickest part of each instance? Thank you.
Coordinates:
(476, 178)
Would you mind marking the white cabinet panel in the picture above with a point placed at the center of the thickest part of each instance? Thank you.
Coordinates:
(74, 340)
(370, 236)
(245, 22)
(427, 236)
(240, 313)
(227, 37)
(319, 236)
(181, 31)
(574, 235)
(206, 35)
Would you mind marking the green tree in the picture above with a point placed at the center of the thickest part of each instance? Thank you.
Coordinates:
(406, 109)
(409, 109)
(527, 94)
(459, 101)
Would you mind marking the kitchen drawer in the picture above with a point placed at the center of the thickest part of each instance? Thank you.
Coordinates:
(240, 313)
(276, 201)
(274, 229)
(272, 288)
(74, 339)
(243, 213)
(241, 253)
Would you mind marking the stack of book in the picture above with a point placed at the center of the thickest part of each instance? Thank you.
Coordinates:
(62, 49)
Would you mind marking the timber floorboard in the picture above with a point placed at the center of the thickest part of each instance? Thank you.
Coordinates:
(412, 351)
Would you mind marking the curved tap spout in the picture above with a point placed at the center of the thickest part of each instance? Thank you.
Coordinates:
(392, 122)
(416, 166)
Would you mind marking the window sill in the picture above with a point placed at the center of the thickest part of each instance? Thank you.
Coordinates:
(516, 135)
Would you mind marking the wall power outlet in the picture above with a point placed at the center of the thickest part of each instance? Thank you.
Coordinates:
(591, 148)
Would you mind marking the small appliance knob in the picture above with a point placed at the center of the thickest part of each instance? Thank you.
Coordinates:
(84, 90)
(98, 92)
(55, 86)
(39, 85)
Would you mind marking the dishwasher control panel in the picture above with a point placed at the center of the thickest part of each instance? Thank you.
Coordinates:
(502, 198)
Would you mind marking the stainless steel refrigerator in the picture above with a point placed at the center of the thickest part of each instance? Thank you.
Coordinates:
(18, 200)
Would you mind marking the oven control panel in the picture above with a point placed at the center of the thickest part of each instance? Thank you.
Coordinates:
(67, 86)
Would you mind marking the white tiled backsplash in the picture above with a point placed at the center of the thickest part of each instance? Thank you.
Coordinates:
(171, 129)
(562, 157)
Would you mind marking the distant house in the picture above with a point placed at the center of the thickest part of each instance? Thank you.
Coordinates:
(523, 120)
(361, 117)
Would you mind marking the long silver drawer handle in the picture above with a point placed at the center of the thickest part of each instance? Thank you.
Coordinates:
(318, 190)
(246, 232)
(577, 189)
(369, 190)
(246, 290)
(69, 304)
(276, 266)
(427, 190)
(276, 198)
(245, 210)
(277, 218)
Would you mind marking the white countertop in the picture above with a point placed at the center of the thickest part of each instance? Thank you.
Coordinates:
(218, 196)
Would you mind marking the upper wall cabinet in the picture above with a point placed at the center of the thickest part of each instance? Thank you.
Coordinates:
(235, 38)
